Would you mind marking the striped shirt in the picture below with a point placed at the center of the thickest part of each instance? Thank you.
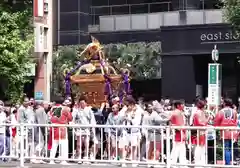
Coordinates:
(113, 119)
(83, 117)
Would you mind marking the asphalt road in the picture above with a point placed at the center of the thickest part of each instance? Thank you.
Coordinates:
(16, 164)
(29, 165)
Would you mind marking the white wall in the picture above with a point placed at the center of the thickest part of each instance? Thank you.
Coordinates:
(156, 20)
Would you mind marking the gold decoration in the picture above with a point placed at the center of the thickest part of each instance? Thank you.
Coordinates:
(92, 49)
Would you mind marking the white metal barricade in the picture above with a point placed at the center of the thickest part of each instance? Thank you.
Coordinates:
(157, 146)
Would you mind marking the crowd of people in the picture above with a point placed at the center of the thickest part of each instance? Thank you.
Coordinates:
(115, 139)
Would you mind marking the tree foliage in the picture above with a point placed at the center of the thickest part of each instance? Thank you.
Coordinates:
(15, 43)
(143, 60)
(231, 10)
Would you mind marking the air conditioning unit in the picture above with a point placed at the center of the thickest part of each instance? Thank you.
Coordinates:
(39, 37)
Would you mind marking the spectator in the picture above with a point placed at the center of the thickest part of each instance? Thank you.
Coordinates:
(178, 119)
(14, 130)
(227, 117)
(199, 138)
(84, 116)
(113, 133)
(152, 118)
(3, 119)
(25, 116)
(60, 134)
(41, 118)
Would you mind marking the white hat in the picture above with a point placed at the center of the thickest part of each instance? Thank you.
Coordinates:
(66, 102)
(167, 101)
(116, 98)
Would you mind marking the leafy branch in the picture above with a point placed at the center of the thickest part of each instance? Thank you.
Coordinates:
(15, 45)
(231, 9)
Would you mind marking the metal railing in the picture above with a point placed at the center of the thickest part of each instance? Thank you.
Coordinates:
(121, 144)
(97, 11)
(141, 8)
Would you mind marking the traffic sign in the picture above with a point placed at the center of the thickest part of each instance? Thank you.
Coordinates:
(214, 84)
(38, 96)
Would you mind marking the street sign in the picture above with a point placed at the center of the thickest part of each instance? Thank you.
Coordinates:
(215, 54)
(38, 96)
(214, 84)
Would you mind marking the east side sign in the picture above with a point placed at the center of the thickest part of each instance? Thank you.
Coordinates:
(219, 37)
(199, 39)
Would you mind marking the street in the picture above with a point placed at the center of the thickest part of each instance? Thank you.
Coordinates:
(29, 165)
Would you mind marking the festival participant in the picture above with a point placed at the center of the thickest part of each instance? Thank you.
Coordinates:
(115, 100)
(60, 135)
(199, 137)
(131, 114)
(56, 107)
(179, 149)
(152, 118)
(83, 116)
(227, 117)
(113, 133)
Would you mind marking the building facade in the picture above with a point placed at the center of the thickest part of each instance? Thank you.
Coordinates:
(188, 30)
(43, 47)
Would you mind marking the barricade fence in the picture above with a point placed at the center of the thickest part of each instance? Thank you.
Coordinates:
(157, 146)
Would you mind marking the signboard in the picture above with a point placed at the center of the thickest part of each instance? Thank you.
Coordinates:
(38, 96)
(39, 37)
(198, 39)
(214, 84)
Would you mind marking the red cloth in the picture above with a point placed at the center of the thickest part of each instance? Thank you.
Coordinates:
(229, 121)
(14, 132)
(177, 119)
(65, 118)
(199, 120)
(51, 129)
(50, 140)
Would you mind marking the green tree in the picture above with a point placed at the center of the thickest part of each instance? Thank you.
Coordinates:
(142, 59)
(65, 58)
(15, 45)
(231, 10)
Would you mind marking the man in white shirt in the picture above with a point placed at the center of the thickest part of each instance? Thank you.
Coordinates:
(131, 114)
(25, 115)
(83, 115)
(39, 132)
(3, 119)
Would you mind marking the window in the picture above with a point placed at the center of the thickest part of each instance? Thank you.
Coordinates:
(45, 36)
(69, 39)
(69, 21)
(68, 6)
(213, 4)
